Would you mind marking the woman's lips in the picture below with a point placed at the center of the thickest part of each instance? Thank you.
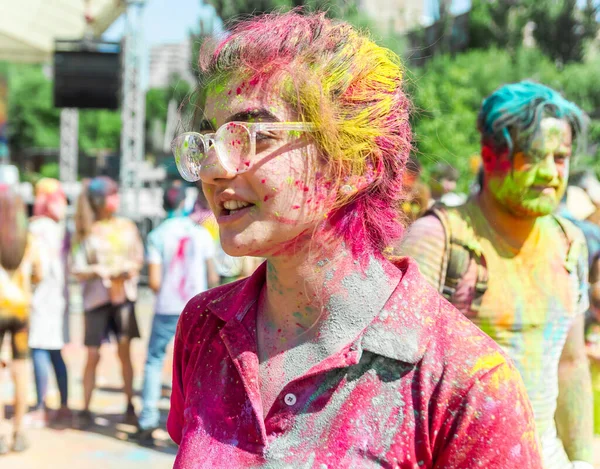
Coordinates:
(227, 216)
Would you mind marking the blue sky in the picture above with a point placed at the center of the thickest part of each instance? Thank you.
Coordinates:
(164, 21)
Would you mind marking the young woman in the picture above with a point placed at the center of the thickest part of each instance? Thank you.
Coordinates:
(108, 257)
(19, 266)
(49, 310)
(329, 355)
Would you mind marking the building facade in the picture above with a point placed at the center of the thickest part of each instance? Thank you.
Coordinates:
(168, 61)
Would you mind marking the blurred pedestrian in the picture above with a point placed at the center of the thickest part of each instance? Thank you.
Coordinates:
(107, 258)
(443, 182)
(417, 194)
(180, 265)
(49, 322)
(19, 267)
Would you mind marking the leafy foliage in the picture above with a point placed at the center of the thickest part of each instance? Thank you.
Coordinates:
(560, 29)
(448, 92)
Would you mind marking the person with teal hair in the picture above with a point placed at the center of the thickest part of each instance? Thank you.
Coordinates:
(516, 269)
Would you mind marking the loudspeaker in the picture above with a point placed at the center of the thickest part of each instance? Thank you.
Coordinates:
(87, 75)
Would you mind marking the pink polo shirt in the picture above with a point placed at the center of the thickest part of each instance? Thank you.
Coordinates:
(398, 378)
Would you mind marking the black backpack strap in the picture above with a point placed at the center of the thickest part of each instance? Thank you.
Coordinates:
(569, 230)
(461, 246)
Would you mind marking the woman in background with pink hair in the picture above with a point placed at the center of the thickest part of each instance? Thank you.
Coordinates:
(48, 331)
(329, 355)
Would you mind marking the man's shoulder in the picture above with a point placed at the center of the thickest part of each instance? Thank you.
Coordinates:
(570, 229)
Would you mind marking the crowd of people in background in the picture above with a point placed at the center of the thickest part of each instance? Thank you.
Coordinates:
(104, 253)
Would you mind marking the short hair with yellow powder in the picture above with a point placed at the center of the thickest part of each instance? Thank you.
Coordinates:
(350, 88)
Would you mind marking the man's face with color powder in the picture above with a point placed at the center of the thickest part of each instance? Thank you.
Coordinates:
(536, 181)
(285, 187)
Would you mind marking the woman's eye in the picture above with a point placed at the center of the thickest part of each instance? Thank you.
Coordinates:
(265, 135)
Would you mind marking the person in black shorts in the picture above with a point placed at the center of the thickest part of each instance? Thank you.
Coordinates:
(107, 259)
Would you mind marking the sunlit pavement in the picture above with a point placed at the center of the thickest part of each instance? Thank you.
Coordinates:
(108, 443)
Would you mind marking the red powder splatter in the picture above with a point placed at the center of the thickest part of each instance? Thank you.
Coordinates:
(305, 188)
(239, 90)
(296, 207)
(266, 198)
(263, 181)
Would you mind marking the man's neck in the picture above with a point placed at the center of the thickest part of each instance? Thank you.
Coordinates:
(512, 228)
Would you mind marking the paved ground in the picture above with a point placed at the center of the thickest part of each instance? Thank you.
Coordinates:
(107, 445)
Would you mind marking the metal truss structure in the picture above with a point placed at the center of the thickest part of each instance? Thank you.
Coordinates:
(69, 149)
(133, 108)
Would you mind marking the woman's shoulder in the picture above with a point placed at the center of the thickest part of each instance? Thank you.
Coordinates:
(448, 342)
(212, 303)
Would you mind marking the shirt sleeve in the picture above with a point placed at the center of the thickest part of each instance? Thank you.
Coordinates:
(493, 426)
(175, 420)
(425, 242)
(153, 251)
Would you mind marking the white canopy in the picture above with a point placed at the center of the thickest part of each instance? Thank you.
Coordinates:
(28, 28)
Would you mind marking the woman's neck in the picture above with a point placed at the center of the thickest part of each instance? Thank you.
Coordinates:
(512, 228)
(297, 290)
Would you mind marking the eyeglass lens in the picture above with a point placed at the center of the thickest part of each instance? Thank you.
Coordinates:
(234, 145)
(189, 155)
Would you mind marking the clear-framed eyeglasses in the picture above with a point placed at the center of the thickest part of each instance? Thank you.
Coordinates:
(234, 143)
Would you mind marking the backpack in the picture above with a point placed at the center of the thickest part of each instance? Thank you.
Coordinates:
(462, 246)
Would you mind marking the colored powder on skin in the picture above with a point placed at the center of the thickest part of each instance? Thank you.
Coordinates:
(515, 189)
(351, 89)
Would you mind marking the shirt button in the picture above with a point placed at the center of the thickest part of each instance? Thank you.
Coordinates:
(289, 399)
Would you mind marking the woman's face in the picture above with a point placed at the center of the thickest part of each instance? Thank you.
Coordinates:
(274, 208)
(57, 207)
(111, 203)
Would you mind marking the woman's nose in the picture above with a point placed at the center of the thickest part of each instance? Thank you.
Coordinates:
(212, 170)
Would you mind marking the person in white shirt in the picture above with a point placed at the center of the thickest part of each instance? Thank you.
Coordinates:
(48, 322)
(180, 265)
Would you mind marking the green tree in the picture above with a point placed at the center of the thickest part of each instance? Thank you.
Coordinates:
(33, 121)
(496, 23)
(562, 29)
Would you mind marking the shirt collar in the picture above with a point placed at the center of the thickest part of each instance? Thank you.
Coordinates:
(393, 319)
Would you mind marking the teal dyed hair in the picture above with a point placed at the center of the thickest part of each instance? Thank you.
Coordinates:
(515, 111)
